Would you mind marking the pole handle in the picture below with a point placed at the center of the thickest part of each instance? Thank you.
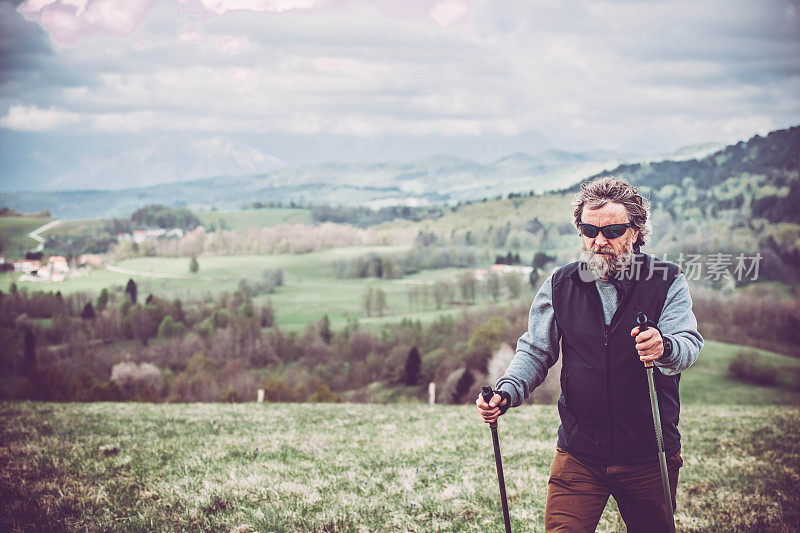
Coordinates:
(487, 394)
(641, 321)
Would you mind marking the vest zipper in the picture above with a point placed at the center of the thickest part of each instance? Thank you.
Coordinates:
(608, 392)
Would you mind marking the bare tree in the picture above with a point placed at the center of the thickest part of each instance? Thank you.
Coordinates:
(380, 301)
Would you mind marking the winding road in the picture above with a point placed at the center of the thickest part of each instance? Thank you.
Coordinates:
(38, 238)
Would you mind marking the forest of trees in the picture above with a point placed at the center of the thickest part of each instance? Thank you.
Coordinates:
(161, 216)
(774, 157)
(122, 345)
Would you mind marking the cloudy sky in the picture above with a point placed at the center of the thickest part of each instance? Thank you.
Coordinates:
(113, 93)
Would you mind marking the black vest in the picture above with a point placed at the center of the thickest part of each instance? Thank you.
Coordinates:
(605, 404)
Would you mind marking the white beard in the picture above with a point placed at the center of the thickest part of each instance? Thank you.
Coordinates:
(603, 266)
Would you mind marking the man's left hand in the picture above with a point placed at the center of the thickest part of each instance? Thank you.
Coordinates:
(649, 344)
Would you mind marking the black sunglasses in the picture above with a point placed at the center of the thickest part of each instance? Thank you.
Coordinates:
(612, 231)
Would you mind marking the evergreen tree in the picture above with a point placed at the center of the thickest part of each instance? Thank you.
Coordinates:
(541, 259)
(88, 311)
(130, 289)
(463, 385)
(413, 364)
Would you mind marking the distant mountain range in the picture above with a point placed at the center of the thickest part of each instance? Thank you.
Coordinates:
(435, 180)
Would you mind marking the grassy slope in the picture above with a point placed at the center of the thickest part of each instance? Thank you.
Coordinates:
(14, 235)
(412, 467)
(707, 381)
(240, 220)
(325, 467)
(247, 218)
(76, 227)
(550, 208)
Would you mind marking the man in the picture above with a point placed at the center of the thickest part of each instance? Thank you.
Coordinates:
(606, 440)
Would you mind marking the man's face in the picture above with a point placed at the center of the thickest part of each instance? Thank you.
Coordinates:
(602, 255)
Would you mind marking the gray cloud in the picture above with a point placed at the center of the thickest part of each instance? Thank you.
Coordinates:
(29, 67)
(23, 45)
(361, 79)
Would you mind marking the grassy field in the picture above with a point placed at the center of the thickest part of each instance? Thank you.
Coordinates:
(76, 228)
(310, 289)
(708, 382)
(14, 235)
(245, 219)
(240, 221)
(551, 208)
(329, 467)
(347, 467)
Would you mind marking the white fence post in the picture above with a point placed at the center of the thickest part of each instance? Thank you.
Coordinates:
(260, 395)
(431, 393)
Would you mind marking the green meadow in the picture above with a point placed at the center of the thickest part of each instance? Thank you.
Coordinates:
(75, 228)
(14, 235)
(356, 467)
(708, 382)
(244, 219)
(310, 291)
(348, 467)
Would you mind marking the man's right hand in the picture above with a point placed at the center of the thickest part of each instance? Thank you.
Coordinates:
(489, 412)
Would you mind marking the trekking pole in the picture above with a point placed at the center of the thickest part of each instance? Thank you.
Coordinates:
(641, 321)
(487, 394)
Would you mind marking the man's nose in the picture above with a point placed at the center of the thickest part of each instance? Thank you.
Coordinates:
(600, 240)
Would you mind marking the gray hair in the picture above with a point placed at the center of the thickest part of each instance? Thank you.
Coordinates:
(600, 191)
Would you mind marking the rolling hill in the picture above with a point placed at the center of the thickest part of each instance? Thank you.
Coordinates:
(435, 180)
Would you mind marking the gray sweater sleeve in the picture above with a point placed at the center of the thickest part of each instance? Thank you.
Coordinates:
(679, 324)
(537, 349)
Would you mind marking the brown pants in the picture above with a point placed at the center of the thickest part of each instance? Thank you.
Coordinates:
(577, 494)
